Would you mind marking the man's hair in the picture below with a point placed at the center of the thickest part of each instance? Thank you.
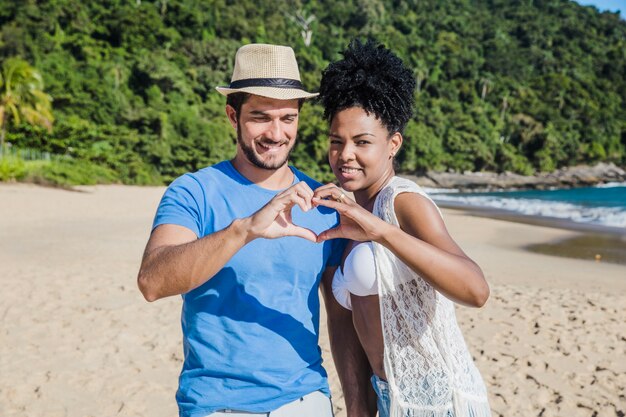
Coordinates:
(236, 100)
(372, 77)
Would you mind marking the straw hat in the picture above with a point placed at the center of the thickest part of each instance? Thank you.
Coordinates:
(268, 71)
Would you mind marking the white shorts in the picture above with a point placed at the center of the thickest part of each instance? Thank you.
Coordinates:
(315, 404)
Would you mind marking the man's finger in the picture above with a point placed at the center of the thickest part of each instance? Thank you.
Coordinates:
(303, 186)
(306, 198)
(301, 202)
(303, 190)
(304, 233)
(286, 200)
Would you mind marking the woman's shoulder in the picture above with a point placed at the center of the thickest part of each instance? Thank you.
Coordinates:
(402, 193)
(398, 185)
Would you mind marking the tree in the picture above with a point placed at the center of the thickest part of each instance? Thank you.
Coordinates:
(22, 97)
(501, 85)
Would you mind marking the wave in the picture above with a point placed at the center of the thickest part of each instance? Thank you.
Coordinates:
(431, 191)
(611, 185)
(606, 216)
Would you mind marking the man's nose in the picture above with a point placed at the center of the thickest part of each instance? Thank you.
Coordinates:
(274, 130)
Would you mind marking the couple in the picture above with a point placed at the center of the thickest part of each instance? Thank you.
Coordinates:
(247, 243)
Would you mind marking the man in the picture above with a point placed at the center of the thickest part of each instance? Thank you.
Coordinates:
(238, 241)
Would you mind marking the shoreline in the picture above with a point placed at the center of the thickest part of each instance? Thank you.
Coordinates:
(531, 219)
(587, 241)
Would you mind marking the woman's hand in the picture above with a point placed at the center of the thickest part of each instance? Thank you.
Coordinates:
(356, 223)
(422, 242)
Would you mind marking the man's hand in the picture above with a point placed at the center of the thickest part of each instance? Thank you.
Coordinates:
(274, 219)
(176, 262)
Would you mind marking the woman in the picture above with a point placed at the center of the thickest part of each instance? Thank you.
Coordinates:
(408, 270)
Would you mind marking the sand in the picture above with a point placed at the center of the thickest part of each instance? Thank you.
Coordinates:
(77, 339)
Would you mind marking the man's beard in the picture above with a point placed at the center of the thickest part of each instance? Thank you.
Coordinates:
(254, 158)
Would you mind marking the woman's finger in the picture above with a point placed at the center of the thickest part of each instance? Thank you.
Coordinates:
(333, 204)
(333, 193)
(326, 186)
(333, 233)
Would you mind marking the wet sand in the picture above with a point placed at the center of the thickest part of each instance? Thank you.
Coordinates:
(597, 247)
(77, 339)
(591, 242)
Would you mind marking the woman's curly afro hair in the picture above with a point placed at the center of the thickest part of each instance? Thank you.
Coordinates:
(372, 77)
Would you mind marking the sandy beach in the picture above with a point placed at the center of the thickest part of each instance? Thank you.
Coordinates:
(78, 340)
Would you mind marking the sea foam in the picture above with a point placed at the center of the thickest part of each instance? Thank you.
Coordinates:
(607, 216)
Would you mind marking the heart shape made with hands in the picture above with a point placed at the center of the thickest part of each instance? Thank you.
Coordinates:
(349, 226)
(275, 219)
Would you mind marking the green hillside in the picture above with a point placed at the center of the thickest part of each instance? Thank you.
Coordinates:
(512, 85)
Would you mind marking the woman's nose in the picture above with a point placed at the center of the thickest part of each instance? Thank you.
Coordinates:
(347, 153)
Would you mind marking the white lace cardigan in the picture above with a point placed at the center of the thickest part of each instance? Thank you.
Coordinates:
(428, 366)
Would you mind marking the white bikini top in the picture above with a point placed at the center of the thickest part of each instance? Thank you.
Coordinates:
(358, 276)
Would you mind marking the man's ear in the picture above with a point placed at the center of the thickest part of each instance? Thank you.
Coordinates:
(231, 113)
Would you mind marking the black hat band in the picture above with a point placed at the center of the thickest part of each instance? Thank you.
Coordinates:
(267, 82)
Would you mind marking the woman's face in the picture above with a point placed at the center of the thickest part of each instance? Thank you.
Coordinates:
(361, 151)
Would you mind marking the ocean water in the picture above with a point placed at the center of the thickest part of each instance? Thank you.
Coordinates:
(602, 205)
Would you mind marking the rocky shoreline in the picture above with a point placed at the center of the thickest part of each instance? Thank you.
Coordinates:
(570, 177)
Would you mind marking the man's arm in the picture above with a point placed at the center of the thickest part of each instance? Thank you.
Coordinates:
(349, 357)
(176, 262)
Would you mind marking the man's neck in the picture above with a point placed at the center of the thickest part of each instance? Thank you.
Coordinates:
(271, 179)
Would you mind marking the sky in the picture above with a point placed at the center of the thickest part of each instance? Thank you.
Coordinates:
(602, 5)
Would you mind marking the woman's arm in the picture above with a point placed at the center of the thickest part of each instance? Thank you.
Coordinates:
(350, 360)
(424, 244)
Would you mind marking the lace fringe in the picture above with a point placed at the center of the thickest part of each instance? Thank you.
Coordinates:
(470, 406)
(463, 406)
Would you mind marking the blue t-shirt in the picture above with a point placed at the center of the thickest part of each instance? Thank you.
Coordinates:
(250, 333)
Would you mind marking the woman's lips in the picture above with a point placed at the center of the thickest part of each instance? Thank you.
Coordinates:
(350, 172)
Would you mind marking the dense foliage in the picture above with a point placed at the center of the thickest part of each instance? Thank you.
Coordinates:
(22, 97)
(520, 85)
